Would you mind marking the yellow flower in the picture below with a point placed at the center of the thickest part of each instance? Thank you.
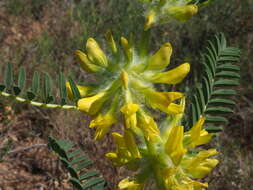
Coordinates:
(148, 127)
(131, 145)
(91, 104)
(126, 151)
(172, 162)
(200, 165)
(199, 136)
(174, 145)
(163, 100)
(102, 124)
(190, 185)
(130, 185)
(129, 112)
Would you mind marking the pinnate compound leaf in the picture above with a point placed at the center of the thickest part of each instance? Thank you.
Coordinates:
(213, 98)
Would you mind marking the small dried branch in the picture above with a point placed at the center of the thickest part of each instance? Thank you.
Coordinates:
(26, 148)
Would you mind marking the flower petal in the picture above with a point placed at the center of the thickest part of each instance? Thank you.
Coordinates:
(131, 145)
(200, 165)
(199, 136)
(130, 185)
(148, 127)
(161, 59)
(174, 145)
(92, 104)
(102, 124)
(129, 109)
(173, 76)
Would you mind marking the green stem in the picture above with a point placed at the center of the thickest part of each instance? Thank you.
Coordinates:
(34, 103)
(154, 160)
(144, 44)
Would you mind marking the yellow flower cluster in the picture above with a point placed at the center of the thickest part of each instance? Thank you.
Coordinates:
(162, 154)
(124, 89)
(173, 161)
(125, 82)
(161, 11)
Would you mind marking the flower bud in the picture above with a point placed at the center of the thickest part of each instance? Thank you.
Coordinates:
(127, 48)
(85, 63)
(95, 53)
(150, 20)
(183, 13)
(111, 42)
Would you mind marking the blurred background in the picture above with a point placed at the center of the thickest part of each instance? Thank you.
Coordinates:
(43, 35)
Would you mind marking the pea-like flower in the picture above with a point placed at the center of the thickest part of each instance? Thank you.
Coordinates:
(161, 11)
(128, 75)
(175, 162)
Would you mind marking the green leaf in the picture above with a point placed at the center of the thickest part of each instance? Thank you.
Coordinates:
(210, 64)
(8, 77)
(74, 153)
(228, 67)
(216, 119)
(81, 177)
(35, 83)
(83, 165)
(218, 110)
(206, 89)
(63, 89)
(226, 82)
(228, 59)
(22, 78)
(213, 129)
(21, 82)
(76, 183)
(228, 74)
(78, 159)
(193, 118)
(224, 92)
(48, 98)
(75, 91)
(201, 99)
(89, 174)
(212, 98)
(197, 107)
(93, 182)
(221, 102)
